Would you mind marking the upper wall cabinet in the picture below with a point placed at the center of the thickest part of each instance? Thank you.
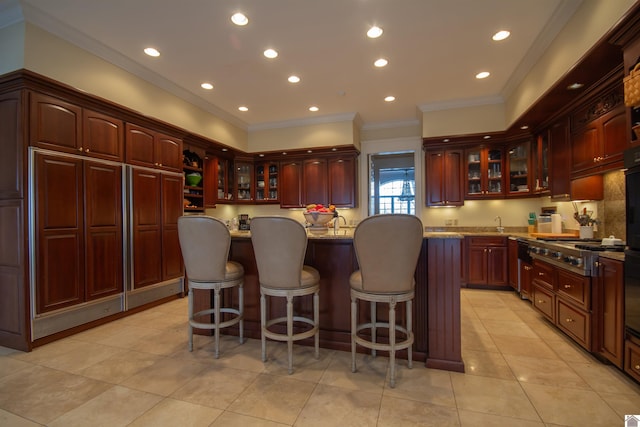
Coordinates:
(484, 166)
(445, 182)
(145, 147)
(342, 181)
(59, 125)
(599, 134)
(519, 167)
(291, 184)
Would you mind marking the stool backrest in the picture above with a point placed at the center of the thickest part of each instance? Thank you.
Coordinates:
(279, 244)
(387, 248)
(205, 243)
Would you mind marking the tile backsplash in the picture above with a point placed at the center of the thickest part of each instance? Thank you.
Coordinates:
(613, 206)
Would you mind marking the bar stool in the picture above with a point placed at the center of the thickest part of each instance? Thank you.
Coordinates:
(205, 243)
(387, 248)
(279, 245)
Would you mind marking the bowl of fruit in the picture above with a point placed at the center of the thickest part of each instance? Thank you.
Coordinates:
(319, 215)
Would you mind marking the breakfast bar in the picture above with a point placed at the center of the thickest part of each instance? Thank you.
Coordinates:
(436, 304)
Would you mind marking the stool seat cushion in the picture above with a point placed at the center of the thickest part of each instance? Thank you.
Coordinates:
(355, 281)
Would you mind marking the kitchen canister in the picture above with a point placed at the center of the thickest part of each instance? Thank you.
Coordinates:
(556, 223)
(586, 232)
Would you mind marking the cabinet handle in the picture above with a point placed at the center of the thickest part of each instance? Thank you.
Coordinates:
(637, 367)
(540, 273)
(489, 250)
(596, 264)
(541, 301)
(80, 149)
(569, 320)
(567, 286)
(86, 151)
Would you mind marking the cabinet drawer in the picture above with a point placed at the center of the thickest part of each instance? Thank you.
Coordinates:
(575, 288)
(576, 323)
(487, 241)
(543, 274)
(544, 301)
(632, 359)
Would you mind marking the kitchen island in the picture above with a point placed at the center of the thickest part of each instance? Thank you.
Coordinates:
(436, 316)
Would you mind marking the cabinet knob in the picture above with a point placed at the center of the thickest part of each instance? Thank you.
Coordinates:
(86, 151)
(541, 301)
(80, 149)
(637, 367)
(489, 250)
(540, 273)
(569, 320)
(567, 286)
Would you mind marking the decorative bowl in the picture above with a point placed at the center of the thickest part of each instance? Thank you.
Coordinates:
(193, 179)
(318, 219)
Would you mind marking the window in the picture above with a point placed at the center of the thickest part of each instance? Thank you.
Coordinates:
(392, 184)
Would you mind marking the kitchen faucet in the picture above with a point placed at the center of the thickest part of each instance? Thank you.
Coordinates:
(336, 223)
(499, 227)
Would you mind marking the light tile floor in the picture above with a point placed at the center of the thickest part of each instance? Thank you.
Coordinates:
(520, 371)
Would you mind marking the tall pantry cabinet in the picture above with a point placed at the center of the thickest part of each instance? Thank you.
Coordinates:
(68, 200)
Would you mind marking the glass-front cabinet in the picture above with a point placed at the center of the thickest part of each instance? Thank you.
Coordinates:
(484, 175)
(518, 164)
(266, 182)
(540, 152)
(225, 180)
(244, 180)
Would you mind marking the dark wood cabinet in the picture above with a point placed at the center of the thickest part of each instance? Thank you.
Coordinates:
(444, 177)
(291, 184)
(632, 357)
(65, 127)
(599, 134)
(78, 231)
(146, 147)
(484, 169)
(526, 278)
(609, 310)
(243, 191)
(543, 288)
(156, 206)
(315, 183)
(560, 167)
(487, 261)
(519, 165)
(512, 247)
(267, 182)
(342, 181)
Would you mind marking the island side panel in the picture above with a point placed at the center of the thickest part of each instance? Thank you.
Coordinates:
(444, 305)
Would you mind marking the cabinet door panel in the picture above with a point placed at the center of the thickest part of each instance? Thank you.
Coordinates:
(453, 178)
(55, 124)
(140, 146)
(11, 151)
(614, 135)
(342, 173)
(171, 210)
(477, 264)
(103, 229)
(435, 184)
(147, 228)
(584, 148)
(103, 136)
(315, 189)
(290, 183)
(497, 266)
(169, 152)
(59, 232)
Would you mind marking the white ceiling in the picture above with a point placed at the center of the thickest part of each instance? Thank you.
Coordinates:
(434, 48)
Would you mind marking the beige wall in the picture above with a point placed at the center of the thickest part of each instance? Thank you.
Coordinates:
(461, 121)
(296, 137)
(12, 48)
(53, 57)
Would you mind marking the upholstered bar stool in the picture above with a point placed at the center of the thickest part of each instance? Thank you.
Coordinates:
(205, 243)
(387, 248)
(280, 244)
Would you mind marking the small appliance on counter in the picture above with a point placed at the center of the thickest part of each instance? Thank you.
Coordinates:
(244, 222)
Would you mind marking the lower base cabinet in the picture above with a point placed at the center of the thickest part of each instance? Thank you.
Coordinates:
(487, 263)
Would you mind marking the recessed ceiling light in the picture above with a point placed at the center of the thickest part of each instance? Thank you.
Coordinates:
(294, 79)
(575, 86)
(487, 137)
(152, 52)
(524, 127)
(239, 19)
(309, 151)
(483, 75)
(445, 140)
(374, 32)
(381, 62)
(313, 108)
(243, 108)
(270, 53)
(501, 35)
(260, 155)
(390, 98)
(225, 149)
(207, 86)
